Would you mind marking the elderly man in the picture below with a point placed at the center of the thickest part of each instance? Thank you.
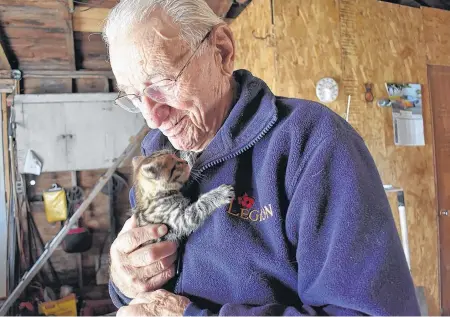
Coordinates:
(310, 232)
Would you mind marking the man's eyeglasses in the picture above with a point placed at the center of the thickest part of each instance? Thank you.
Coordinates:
(161, 91)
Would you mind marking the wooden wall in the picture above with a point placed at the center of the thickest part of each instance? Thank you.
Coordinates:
(292, 44)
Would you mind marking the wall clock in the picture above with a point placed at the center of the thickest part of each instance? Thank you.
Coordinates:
(327, 90)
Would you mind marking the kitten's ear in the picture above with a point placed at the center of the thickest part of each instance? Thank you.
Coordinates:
(136, 161)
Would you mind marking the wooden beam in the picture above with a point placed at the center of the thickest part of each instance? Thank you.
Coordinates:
(5, 74)
(66, 74)
(6, 165)
(68, 16)
(7, 85)
(91, 20)
(4, 63)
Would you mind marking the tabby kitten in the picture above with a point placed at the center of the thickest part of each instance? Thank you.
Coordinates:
(158, 180)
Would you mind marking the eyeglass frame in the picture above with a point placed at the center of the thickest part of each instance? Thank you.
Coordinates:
(166, 79)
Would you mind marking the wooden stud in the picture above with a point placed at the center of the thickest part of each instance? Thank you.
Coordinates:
(6, 164)
(69, 34)
(106, 80)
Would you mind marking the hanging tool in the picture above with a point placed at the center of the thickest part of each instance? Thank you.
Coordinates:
(113, 188)
(56, 241)
(78, 239)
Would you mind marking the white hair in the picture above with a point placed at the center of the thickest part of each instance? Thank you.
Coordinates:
(194, 17)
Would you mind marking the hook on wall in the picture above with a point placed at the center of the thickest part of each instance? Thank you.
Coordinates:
(369, 94)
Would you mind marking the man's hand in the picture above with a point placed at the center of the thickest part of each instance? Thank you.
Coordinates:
(136, 269)
(157, 303)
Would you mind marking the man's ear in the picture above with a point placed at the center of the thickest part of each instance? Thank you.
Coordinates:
(223, 43)
(136, 161)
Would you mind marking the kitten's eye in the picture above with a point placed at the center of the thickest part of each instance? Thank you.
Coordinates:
(150, 170)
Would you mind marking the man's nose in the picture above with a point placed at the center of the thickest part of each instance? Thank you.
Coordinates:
(154, 113)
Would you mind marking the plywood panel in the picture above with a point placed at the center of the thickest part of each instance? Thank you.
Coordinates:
(400, 57)
(357, 42)
(436, 25)
(301, 44)
(254, 41)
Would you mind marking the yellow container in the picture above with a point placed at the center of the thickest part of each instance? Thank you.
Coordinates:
(55, 204)
(66, 306)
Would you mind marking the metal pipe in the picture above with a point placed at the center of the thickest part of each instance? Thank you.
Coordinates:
(403, 225)
(67, 74)
(402, 219)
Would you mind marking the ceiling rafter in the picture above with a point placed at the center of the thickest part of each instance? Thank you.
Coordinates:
(4, 62)
(89, 20)
(68, 15)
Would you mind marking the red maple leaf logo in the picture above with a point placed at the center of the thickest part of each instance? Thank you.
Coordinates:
(246, 201)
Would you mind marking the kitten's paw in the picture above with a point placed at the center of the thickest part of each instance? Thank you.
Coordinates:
(225, 193)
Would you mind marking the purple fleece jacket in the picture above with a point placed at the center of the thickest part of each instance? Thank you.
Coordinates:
(310, 231)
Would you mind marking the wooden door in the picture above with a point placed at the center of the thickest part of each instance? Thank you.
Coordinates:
(439, 83)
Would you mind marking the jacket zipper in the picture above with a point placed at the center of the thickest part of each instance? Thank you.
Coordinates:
(248, 146)
(178, 285)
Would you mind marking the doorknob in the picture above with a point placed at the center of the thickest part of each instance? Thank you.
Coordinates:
(443, 212)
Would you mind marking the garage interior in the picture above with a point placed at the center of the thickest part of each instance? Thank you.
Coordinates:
(61, 134)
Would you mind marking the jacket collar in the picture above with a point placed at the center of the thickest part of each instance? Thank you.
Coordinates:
(252, 115)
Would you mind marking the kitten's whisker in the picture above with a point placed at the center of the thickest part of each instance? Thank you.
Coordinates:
(196, 176)
(196, 173)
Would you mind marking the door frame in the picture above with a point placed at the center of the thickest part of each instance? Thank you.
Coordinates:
(440, 219)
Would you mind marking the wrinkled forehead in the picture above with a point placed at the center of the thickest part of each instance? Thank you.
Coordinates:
(150, 50)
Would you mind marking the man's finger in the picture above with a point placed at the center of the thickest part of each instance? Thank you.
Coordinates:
(129, 224)
(138, 300)
(161, 279)
(151, 253)
(136, 310)
(158, 266)
(133, 238)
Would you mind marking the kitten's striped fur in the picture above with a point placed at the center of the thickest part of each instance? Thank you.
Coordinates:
(158, 180)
